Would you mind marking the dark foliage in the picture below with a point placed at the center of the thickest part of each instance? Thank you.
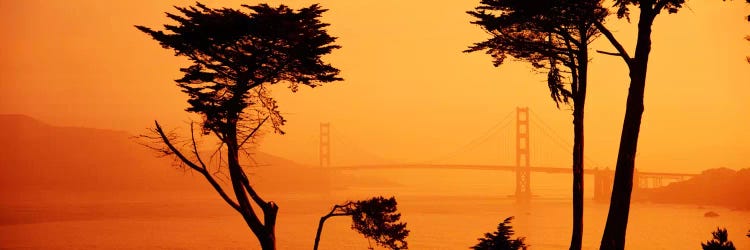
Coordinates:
(233, 52)
(547, 34)
(376, 218)
(720, 241)
(671, 6)
(553, 36)
(233, 56)
(501, 239)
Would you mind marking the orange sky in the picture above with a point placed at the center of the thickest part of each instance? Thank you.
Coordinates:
(410, 95)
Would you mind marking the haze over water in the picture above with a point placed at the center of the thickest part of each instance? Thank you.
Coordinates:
(84, 81)
(438, 216)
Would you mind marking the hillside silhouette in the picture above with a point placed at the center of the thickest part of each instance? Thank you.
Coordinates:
(719, 187)
(41, 159)
(54, 173)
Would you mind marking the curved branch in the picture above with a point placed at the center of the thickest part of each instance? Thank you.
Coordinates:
(254, 195)
(620, 49)
(337, 210)
(195, 148)
(192, 165)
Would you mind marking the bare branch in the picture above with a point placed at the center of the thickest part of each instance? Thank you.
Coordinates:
(253, 131)
(608, 53)
(174, 149)
(195, 148)
(192, 165)
(621, 50)
(254, 195)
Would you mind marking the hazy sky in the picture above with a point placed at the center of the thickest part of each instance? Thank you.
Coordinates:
(410, 94)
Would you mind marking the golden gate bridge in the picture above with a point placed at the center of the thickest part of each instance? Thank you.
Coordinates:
(603, 177)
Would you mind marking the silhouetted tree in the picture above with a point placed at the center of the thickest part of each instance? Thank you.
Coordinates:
(375, 218)
(233, 56)
(552, 36)
(720, 241)
(501, 239)
(619, 208)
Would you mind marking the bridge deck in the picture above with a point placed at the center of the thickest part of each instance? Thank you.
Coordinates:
(554, 170)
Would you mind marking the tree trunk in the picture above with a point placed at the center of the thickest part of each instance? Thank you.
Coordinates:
(579, 102)
(265, 233)
(270, 211)
(268, 241)
(268, 237)
(619, 207)
(320, 230)
(577, 238)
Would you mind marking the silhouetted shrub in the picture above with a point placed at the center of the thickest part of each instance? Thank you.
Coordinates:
(720, 241)
(376, 218)
(501, 239)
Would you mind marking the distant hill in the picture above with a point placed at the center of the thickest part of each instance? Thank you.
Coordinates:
(40, 159)
(720, 186)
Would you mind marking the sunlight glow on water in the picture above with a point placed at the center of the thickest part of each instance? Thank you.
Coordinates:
(443, 209)
(450, 222)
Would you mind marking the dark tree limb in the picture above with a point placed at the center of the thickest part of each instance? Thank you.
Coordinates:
(337, 210)
(620, 49)
(192, 165)
(252, 133)
(608, 53)
(195, 148)
(231, 53)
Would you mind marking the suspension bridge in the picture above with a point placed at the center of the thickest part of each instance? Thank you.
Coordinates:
(603, 177)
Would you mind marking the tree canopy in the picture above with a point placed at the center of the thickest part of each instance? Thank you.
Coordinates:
(378, 219)
(553, 36)
(719, 241)
(501, 239)
(547, 34)
(375, 218)
(233, 55)
(232, 52)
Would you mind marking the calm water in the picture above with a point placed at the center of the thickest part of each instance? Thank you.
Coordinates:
(438, 219)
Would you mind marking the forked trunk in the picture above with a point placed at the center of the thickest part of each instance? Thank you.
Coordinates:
(269, 242)
(619, 207)
(264, 231)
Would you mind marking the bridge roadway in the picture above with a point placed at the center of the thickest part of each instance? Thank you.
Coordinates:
(552, 170)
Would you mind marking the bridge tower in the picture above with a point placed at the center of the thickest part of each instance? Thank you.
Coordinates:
(325, 145)
(523, 166)
(603, 184)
